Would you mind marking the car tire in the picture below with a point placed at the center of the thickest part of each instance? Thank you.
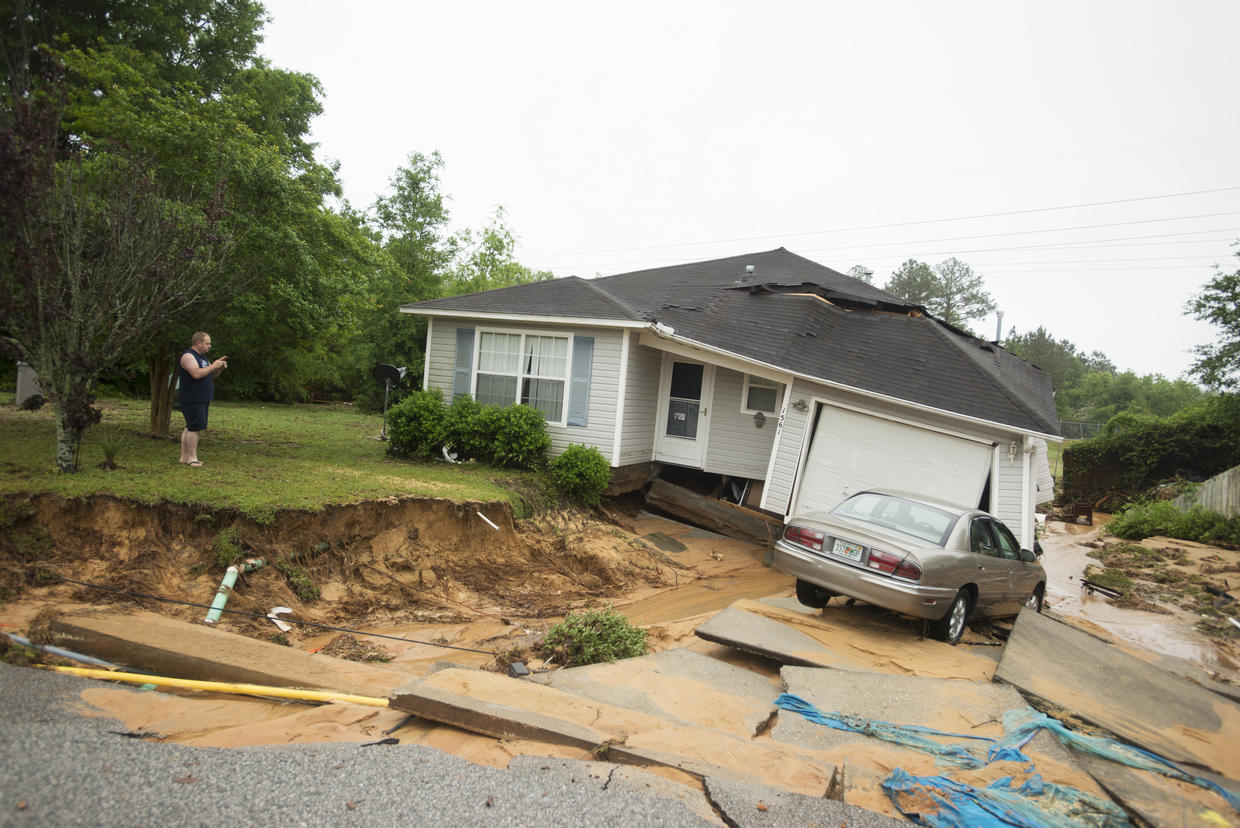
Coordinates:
(1034, 602)
(951, 626)
(812, 595)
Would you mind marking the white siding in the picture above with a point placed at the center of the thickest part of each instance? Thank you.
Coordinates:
(736, 446)
(1008, 503)
(604, 378)
(640, 404)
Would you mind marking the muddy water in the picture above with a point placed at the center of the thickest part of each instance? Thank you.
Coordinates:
(1065, 559)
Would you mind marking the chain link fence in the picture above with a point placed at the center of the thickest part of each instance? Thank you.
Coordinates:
(1078, 431)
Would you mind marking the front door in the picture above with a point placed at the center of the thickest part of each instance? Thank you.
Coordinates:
(684, 409)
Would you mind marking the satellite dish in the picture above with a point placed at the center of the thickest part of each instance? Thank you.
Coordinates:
(387, 373)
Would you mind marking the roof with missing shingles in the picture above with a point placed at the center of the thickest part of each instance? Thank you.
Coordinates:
(802, 317)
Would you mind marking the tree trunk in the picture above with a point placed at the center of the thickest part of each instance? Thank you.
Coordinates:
(162, 367)
(68, 439)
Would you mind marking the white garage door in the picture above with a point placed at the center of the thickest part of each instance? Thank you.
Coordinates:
(851, 452)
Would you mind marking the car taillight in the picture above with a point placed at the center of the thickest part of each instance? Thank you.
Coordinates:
(809, 538)
(893, 565)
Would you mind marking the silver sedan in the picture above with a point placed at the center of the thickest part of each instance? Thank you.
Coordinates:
(913, 556)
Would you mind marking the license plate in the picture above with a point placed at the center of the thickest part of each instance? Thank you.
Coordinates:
(847, 550)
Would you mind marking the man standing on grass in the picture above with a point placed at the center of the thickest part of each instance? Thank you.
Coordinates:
(197, 388)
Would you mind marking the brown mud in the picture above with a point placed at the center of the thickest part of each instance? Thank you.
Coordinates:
(385, 563)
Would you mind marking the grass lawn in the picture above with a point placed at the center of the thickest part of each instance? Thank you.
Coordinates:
(259, 458)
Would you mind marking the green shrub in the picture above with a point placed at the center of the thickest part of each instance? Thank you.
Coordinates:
(582, 473)
(415, 425)
(462, 428)
(228, 547)
(521, 440)
(298, 580)
(593, 637)
(1137, 451)
(1162, 518)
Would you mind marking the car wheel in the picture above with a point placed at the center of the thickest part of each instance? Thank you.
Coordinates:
(1035, 599)
(812, 595)
(950, 627)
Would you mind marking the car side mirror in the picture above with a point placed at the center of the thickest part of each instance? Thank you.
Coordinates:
(1027, 556)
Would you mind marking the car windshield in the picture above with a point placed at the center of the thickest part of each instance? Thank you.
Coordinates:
(909, 517)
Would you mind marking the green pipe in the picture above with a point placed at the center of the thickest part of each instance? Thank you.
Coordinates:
(226, 586)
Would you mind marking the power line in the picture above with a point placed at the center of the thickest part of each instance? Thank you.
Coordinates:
(893, 224)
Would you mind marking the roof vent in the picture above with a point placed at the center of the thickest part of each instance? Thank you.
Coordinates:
(748, 277)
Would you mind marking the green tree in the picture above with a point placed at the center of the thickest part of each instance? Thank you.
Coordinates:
(1218, 363)
(95, 254)
(913, 281)
(950, 290)
(488, 260)
(961, 295)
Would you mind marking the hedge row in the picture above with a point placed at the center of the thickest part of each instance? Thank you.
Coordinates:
(509, 437)
(1136, 452)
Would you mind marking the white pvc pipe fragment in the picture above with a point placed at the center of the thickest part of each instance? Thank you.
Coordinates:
(487, 519)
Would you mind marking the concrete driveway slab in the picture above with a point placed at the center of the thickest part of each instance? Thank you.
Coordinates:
(840, 637)
(681, 685)
(1135, 700)
(499, 706)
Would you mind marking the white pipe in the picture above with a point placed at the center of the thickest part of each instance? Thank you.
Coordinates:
(226, 587)
(487, 519)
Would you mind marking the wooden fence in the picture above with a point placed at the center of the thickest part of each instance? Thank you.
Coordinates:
(1220, 493)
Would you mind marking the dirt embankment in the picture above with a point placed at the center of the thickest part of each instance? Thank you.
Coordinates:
(407, 561)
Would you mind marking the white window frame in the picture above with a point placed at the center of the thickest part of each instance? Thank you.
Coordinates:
(763, 382)
(523, 333)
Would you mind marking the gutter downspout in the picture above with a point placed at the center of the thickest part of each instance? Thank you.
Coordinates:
(226, 586)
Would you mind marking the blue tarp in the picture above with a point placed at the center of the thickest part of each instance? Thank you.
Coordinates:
(999, 804)
(941, 802)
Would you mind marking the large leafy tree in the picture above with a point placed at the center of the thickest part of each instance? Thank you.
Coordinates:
(950, 290)
(1089, 388)
(95, 253)
(489, 261)
(961, 295)
(914, 281)
(1218, 363)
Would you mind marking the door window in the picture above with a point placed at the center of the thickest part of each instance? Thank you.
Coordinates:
(684, 400)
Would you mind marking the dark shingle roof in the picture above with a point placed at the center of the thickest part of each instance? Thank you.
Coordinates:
(802, 317)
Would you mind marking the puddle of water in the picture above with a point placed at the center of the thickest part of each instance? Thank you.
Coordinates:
(1065, 560)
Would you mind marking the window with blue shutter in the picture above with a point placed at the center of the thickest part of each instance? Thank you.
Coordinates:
(579, 382)
(463, 374)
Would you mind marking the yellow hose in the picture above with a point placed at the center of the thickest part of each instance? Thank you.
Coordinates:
(226, 687)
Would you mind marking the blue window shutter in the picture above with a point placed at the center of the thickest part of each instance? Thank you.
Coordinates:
(464, 362)
(579, 384)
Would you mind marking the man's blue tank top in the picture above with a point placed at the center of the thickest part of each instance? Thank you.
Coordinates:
(195, 390)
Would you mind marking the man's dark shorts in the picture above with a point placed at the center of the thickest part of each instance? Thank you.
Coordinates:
(195, 415)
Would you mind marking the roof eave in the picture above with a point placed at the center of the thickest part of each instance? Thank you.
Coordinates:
(592, 322)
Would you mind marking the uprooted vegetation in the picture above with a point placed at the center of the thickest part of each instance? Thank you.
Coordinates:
(412, 561)
(1155, 576)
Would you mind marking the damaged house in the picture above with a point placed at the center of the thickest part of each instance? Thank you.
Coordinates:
(798, 383)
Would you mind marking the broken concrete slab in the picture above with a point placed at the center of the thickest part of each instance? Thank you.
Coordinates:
(950, 705)
(744, 804)
(840, 638)
(686, 687)
(609, 776)
(1157, 800)
(1149, 707)
(969, 709)
(499, 706)
(167, 647)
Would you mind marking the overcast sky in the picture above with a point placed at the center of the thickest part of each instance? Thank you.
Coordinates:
(1081, 156)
